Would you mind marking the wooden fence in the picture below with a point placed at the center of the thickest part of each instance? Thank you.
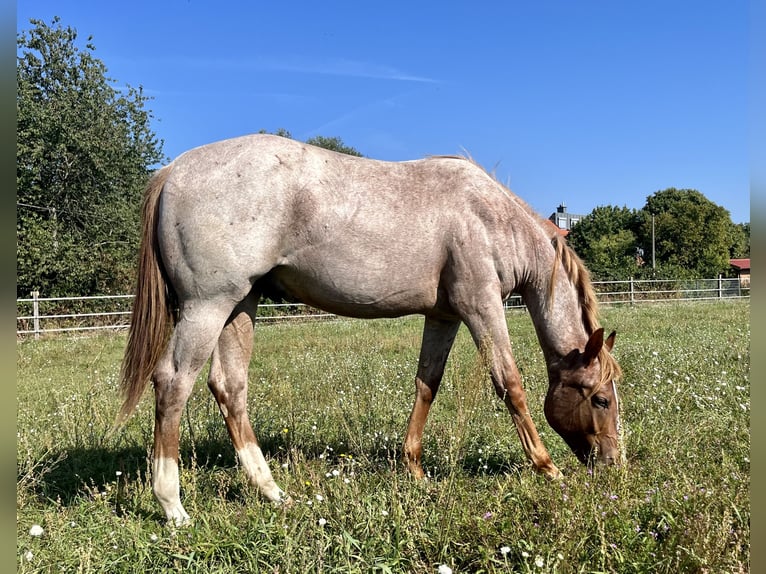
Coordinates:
(37, 315)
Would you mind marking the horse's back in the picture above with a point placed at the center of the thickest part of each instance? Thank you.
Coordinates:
(352, 235)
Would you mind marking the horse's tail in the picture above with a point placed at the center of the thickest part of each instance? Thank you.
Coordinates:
(153, 306)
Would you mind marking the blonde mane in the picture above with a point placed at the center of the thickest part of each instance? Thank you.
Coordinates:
(579, 277)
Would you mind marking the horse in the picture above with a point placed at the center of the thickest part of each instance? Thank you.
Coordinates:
(230, 222)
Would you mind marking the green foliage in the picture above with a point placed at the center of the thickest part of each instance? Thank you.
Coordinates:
(84, 152)
(329, 402)
(606, 240)
(332, 143)
(740, 245)
(690, 231)
(693, 237)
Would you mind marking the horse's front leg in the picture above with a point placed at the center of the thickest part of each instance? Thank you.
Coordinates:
(490, 333)
(228, 383)
(438, 337)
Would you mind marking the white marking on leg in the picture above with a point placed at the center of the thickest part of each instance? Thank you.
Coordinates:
(257, 469)
(167, 490)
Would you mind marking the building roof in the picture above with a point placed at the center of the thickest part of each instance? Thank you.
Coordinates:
(563, 219)
(562, 232)
(741, 264)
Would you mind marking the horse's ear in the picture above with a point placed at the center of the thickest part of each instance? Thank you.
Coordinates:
(609, 343)
(593, 347)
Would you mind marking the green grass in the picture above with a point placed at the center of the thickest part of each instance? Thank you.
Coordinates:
(330, 401)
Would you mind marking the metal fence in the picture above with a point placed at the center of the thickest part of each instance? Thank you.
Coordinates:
(659, 290)
(37, 315)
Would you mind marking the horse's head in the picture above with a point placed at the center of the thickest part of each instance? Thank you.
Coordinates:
(582, 404)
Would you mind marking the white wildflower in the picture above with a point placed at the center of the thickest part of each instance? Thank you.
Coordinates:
(36, 530)
(444, 569)
(321, 522)
(28, 556)
(504, 550)
(539, 562)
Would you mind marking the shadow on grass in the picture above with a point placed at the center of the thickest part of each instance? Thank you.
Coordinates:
(69, 474)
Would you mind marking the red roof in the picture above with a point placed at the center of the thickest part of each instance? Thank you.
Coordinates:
(740, 264)
(562, 232)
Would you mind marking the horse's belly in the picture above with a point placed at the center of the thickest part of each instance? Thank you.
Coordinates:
(353, 292)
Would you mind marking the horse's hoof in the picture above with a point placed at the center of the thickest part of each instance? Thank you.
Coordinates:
(416, 471)
(551, 472)
(179, 521)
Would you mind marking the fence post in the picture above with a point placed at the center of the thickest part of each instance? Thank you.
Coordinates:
(720, 286)
(632, 300)
(36, 313)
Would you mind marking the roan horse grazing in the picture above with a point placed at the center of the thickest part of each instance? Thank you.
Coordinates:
(229, 222)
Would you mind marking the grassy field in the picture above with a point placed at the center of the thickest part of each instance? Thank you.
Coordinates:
(329, 401)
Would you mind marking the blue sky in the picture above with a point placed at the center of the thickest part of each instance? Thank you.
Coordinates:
(588, 103)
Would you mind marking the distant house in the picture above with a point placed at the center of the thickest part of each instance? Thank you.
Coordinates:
(563, 219)
(742, 269)
(554, 227)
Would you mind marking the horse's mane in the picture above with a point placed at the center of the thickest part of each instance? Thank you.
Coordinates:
(578, 275)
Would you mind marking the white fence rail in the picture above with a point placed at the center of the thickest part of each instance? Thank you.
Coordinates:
(37, 315)
(659, 290)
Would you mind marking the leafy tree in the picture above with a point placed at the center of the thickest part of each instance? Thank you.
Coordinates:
(693, 237)
(281, 132)
(84, 152)
(606, 239)
(331, 143)
(334, 144)
(690, 231)
(740, 245)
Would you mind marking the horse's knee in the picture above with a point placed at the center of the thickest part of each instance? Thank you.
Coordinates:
(508, 386)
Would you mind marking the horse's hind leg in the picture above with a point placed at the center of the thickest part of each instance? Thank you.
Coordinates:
(438, 337)
(228, 383)
(189, 348)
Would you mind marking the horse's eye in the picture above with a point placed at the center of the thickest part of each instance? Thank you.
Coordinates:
(600, 402)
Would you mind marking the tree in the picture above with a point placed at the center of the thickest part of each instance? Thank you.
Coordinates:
(606, 240)
(84, 152)
(693, 237)
(690, 231)
(334, 144)
(740, 245)
(331, 143)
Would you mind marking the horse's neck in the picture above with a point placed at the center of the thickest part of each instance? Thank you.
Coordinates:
(558, 322)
